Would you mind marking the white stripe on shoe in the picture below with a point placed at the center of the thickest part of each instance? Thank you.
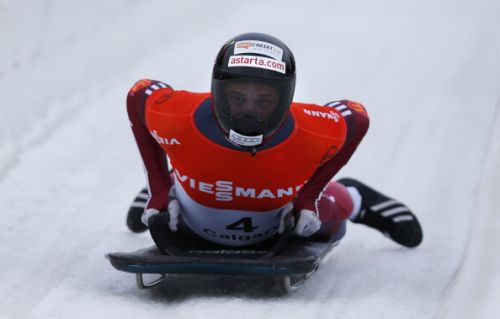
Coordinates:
(395, 211)
(143, 195)
(384, 205)
(404, 218)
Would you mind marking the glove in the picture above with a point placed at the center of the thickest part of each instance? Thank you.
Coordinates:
(147, 214)
(285, 214)
(173, 209)
(308, 223)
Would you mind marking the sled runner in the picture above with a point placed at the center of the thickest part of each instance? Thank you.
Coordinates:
(289, 259)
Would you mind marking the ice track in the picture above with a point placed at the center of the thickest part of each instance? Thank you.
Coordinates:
(427, 71)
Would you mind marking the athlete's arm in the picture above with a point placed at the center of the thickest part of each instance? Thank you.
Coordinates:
(357, 125)
(153, 156)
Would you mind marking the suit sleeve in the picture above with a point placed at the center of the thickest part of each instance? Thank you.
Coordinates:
(357, 125)
(153, 156)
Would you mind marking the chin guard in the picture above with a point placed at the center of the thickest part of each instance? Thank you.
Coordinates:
(245, 140)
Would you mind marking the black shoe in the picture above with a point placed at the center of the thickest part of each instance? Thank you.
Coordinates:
(135, 211)
(387, 215)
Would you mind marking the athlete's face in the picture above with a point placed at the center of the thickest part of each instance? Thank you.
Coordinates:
(252, 98)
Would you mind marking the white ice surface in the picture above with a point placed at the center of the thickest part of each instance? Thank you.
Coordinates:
(427, 71)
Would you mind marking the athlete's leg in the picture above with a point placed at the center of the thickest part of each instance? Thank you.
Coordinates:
(387, 215)
(135, 211)
(334, 208)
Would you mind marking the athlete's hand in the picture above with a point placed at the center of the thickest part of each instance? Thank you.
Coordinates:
(286, 213)
(308, 223)
(147, 214)
(174, 209)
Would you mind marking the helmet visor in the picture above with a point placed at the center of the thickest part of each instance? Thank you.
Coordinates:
(251, 106)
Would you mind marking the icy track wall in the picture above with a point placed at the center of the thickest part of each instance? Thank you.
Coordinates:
(51, 64)
(58, 56)
(476, 289)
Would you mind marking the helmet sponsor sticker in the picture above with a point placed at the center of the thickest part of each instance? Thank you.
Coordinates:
(256, 62)
(258, 47)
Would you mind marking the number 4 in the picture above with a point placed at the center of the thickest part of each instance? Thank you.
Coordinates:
(244, 224)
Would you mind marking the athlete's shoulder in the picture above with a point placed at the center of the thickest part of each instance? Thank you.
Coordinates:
(175, 102)
(138, 95)
(355, 116)
(331, 110)
(334, 118)
(318, 120)
(348, 107)
(313, 112)
(145, 87)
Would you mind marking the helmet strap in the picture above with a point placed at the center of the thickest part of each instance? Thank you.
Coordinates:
(245, 140)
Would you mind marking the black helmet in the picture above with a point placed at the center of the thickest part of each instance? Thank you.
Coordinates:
(253, 82)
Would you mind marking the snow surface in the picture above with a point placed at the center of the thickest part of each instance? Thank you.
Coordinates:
(427, 71)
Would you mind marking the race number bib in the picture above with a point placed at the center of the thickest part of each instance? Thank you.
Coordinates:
(228, 227)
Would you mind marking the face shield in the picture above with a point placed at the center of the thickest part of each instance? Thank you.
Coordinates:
(250, 106)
